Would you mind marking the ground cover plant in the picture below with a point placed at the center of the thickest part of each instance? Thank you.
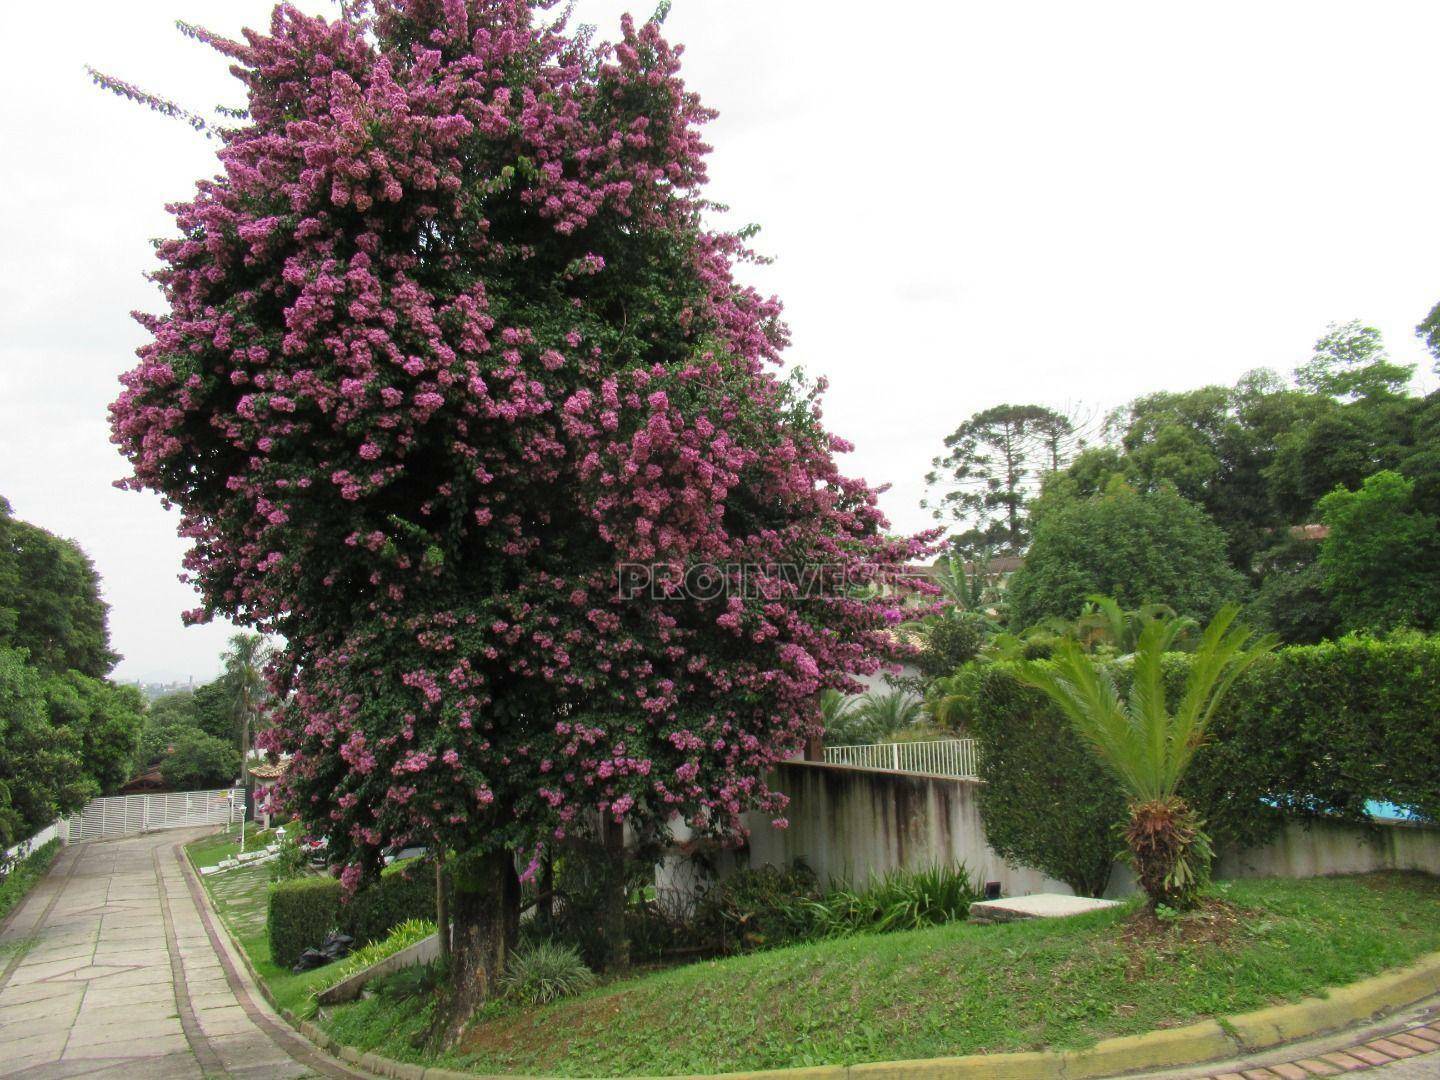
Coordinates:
(952, 989)
(20, 878)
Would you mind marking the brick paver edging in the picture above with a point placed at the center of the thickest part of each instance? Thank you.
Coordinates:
(1209, 1040)
(1410, 1043)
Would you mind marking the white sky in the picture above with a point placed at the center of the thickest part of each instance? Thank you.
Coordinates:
(970, 203)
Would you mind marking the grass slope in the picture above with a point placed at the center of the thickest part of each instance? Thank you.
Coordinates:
(24, 875)
(955, 989)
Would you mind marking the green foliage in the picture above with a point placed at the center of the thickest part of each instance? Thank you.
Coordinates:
(897, 900)
(401, 893)
(1046, 801)
(1350, 361)
(290, 863)
(199, 761)
(758, 907)
(1307, 730)
(879, 716)
(50, 601)
(947, 990)
(1145, 742)
(951, 639)
(107, 720)
(539, 972)
(766, 906)
(19, 879)
(207, 709)
(42, 770)
(1140, 547)
(1292, 601)
(1381, 559)
(401, 937)
(993, 463)
(299, 916)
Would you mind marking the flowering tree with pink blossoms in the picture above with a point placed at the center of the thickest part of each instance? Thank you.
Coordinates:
(448, 353)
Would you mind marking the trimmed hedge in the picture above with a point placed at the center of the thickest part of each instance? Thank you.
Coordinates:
(1310, 730)
(400, 894)
(301, 913)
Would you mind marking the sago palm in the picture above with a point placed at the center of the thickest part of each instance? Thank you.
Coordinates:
(1147, 745)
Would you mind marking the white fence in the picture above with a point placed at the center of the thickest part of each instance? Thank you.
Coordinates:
(40, 839)
(941, 757)
(129, 815)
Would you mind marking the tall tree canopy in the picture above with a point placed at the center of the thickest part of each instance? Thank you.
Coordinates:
(1140, 547)
(993, 466)
(66, 733)
(448, 354)
(50, 600)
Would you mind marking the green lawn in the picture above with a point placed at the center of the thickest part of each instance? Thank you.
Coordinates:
(948, 990)
(955, 989)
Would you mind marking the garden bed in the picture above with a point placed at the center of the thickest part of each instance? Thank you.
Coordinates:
(951, 990)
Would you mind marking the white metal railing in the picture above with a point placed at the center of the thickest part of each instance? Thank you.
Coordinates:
(940, 757)
(129, 815)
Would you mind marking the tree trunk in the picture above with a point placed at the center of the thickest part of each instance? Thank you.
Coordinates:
(442, 909)
(484, 920)
(617, 941)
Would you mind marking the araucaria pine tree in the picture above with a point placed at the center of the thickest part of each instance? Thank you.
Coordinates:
(448, 352)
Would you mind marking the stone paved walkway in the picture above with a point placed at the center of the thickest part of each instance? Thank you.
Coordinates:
(110, 969)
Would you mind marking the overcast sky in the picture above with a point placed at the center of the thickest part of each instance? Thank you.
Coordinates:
(969, 203)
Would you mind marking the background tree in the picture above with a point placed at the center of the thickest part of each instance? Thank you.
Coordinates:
(200, 762)
(1141, 547)
(445, 348)
(1381, 559)
(993, 466)
(1350, 362)
(50, 600)
(245, 661)
(67, 734)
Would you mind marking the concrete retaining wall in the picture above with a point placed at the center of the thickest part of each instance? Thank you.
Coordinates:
(849, 824)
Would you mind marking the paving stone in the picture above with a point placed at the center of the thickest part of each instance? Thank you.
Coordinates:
(128, 1048)
(1036, 906)
(1416, 1042)
(1344, 1062)
(1318, 1068)
(1394, 1049)
(87, 1033)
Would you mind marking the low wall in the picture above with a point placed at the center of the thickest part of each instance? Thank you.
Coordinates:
(1329, 847)
(848, 824)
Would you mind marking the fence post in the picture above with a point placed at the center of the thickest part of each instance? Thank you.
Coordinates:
(895, 756)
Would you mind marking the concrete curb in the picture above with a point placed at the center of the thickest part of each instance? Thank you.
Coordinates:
(1195, 1044)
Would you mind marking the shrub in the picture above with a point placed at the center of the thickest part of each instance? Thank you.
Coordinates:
(21, 875)
(898, 900)
(758, 907)
(540, 972)
(290, 863)
(950, 640)
(400, 893)
(301, 913)
(1310, 730)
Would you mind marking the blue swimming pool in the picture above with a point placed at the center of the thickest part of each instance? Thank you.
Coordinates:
(1388, 811)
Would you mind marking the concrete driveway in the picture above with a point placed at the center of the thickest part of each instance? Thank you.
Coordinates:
(113, 968)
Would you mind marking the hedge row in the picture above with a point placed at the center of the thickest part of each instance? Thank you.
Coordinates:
(1311, 730)
(302, 912)
(401, 893)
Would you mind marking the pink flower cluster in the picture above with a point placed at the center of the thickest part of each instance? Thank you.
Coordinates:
(446, 345)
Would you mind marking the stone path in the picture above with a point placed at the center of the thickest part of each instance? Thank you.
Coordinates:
(110, 968)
